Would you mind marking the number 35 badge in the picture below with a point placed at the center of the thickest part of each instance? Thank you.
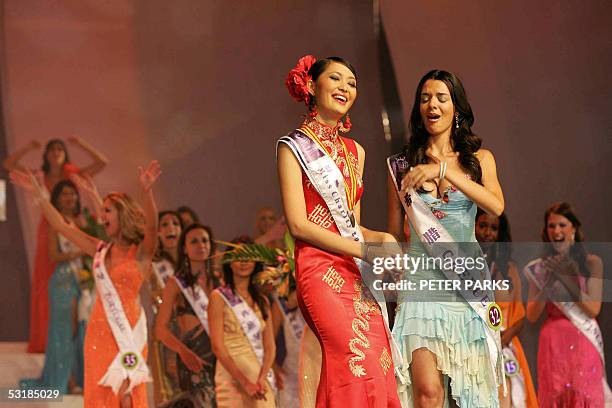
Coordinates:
(129, 360)
(494, 316)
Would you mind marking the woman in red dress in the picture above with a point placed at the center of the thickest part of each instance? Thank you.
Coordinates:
(55, 168)
(357, 368)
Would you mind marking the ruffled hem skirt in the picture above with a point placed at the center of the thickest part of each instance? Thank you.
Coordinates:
(456, 335)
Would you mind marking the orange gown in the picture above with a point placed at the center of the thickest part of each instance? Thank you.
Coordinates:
(512, 312)
(100, 345)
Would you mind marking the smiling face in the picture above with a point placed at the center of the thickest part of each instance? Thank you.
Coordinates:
(169, 231)
(436, 107)
(561, 232)
(197, 245)
(335, 91)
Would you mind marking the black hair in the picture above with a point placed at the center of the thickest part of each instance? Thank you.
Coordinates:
(501, 254)
(463, 140)
(46, 166)
(185, 209)
(228, 277)
(57, 190)
(184, 265)
(320, 66)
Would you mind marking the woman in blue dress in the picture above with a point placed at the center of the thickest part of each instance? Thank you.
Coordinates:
(443, 341)
(63, 360)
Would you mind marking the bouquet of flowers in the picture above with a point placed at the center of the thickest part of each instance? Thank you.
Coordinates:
(279, 265)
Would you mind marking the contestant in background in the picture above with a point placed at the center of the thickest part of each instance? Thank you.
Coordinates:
(494, 236)
(115, 344)
(567, 283)
(357, 366)
(187, 294)
(63, 368)
(444, 171)
(56, 167)
(188, 216)
(242, 338)
(161, 358)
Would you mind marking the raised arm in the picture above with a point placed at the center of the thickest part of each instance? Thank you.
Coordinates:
(28, 182)
(395, 218)
(58, 256)
(86, 184)
(294, 206)
(99, 161)
(217, 340)
(12, 162)
(147, 247)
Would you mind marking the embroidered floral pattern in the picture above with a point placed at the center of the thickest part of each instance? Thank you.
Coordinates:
(360, 324)
(333, 279)
(385, 361)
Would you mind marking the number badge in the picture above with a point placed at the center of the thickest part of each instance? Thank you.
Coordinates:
(494, 315)
(511, 367)
(129, 360)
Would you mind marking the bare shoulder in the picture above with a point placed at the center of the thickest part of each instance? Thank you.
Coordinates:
(484, 155)
(595, 265)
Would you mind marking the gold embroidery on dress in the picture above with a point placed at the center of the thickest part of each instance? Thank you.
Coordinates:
(333, 279)
(321, 216)
(385, 361)
(363, 309)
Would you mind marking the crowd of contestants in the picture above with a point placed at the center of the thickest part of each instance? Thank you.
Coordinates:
(206, 357)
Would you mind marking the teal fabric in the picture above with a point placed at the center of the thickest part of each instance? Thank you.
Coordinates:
(64, 342)
(447, 327)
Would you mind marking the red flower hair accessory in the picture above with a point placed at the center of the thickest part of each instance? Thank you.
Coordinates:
(297, 79)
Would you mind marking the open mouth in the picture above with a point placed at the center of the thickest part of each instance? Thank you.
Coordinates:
(170, 237)
(433, 117)
(340, 98)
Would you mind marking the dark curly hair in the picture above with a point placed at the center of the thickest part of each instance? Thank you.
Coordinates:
(57, 191)
(501, 254)
(228, 277)
(463, 140)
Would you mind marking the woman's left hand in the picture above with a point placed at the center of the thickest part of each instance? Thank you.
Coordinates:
(420, 174)
(149, 176)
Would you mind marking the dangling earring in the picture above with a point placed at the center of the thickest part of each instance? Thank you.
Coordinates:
(456, 121)
(346, 125)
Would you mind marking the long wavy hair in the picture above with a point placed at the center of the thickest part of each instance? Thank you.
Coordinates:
(319, 67)
(161, 253)
(57, 191)
(131, 217)
(577, 251)
(184, 264)
(46, 166)
(463, 140)
(501, 254)
(228, 277)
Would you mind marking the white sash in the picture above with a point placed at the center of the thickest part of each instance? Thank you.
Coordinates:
(430, 231)
(518, 394)
(292, 317)
(251, 326)
(129, 362)
(587, 325)
(196, 296)
(326, 177)
(162, 270)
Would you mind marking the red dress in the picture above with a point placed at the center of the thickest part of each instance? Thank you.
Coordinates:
(357, 368)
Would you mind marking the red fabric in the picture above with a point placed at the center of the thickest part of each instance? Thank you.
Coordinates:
(39, 299)
(333, 318)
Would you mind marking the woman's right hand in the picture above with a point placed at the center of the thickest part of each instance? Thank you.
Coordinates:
(192, 361)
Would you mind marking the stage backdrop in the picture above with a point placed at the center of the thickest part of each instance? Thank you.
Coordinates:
(197, 85)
